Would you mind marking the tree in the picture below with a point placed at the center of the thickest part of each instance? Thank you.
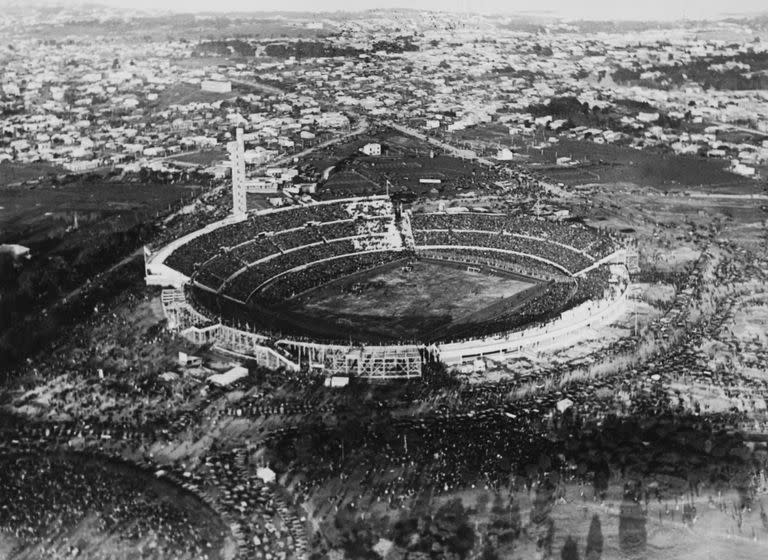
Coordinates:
(451, 527)
(570, 549)
(595, 539)
(489, 553)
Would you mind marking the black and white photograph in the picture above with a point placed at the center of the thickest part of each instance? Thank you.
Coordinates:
(383, 280)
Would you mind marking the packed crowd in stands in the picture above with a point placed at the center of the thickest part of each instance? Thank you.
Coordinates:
(259, 248)
(253, 282)
(189, 256)
(574, 235)
(573, 261)
(295, 217)
(245, 283)
(217, 270)
(321, 273)
(289, 228)
(593, 285)
(511, 262)
(240, 260)
(546, 304)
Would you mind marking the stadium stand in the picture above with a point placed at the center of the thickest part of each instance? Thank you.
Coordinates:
(243, 271)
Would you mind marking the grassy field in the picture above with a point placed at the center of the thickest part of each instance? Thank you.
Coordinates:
(404, 162)
(181, 94)
(15, 172)
(399, 304)
(28, 214)
(610, 164)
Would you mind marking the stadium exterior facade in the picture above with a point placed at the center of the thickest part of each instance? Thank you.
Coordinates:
(376, 226)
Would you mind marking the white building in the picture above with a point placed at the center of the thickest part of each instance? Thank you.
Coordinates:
(372, 149)
(216, 86)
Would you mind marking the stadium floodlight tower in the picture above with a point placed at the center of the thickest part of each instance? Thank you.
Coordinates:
(237, 158)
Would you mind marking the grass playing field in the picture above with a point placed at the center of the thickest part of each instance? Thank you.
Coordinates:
(393, 303)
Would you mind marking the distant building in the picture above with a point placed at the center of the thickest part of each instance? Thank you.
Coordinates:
(648, 117)
(216, 86)
(372, 149)
(336, 381)
(505, 154)
(743, 170)
(188, 360)
(78, 166)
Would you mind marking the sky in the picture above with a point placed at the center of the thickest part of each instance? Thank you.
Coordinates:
(566, 9)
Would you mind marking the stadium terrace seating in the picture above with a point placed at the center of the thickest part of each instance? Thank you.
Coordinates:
(544, 306)
(245, 283)
(256, 250)
(297, 238)
(592, 285)
(330, 221)
(190, 255)
(505, 261)
(573, 235)
(321, 273)
(274, 256)
(216, 271)
(296, 217)
(569, 259)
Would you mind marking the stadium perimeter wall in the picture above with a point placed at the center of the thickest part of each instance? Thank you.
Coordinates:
(559, 332)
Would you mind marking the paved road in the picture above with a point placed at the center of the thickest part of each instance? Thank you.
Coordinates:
(362, 127)
(458, 152)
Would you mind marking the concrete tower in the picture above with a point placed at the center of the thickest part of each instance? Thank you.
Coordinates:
(237, 157)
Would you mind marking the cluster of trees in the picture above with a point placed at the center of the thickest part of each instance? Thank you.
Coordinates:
(577, 113)
(449, 531)
(309, 49)
(446, 534)
(700, 71)
(397, 45)
(229, 47)
(316, 49)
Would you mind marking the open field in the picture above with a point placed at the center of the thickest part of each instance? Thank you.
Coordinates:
(181, 94)
(404, 162)
(448, 175)
(15, 172)
(398, 304)
(609, 164)
(30, 214)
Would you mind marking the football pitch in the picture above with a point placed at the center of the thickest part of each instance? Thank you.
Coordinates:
(408, 302)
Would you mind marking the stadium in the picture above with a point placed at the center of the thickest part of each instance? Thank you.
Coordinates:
(365, 287)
